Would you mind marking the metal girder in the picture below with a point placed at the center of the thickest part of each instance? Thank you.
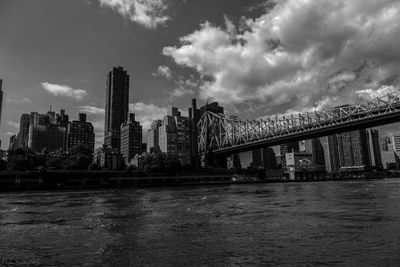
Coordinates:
(216, 131)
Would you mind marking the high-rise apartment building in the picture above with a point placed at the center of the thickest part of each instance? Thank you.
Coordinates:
(152, 137)
(80, 132)
(315, 148)
(353, 150)
(47, 137)
(46, 134)
(174, 136)
(167, 135)
(13, 142)
(24, 123)
(116, 106)
(374, 151)
(131, 138)
(62, 119)
(396, 142)
(389, 157)
(331, 153)
(28, 120)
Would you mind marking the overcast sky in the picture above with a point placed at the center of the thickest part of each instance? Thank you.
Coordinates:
(256, 58)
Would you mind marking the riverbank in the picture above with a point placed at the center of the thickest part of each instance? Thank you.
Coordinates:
(69, 180)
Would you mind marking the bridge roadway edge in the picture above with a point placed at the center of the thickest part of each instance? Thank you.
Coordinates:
(363, 123)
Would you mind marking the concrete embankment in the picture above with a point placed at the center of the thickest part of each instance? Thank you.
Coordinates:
(12, 181)
(64, 180)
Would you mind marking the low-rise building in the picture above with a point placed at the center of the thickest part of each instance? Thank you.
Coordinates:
(108, 158)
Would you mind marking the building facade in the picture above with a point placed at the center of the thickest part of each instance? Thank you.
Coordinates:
(374, 151)
(331, 153)
(315, 148)
(80, 132)
(396, 142)
(49, 138)
(152, 137)
(389, 156)
(288, 148)
(353, 150)
(45, 134)
(108, 158)
(25, 121)
(131, 139)
(116, 106)
(299, 161)
(174, 136)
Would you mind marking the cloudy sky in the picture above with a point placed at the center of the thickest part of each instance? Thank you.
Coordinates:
(255, 57)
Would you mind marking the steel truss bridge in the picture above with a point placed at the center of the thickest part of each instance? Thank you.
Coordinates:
(219, 134)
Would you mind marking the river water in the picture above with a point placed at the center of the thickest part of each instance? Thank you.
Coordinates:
(353, 223)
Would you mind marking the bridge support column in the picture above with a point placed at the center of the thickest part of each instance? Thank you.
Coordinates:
(214, 161)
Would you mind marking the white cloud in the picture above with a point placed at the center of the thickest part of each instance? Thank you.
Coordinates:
(24, 100)
(184, 87)
(163, 71)
(13, 124)
(91, 110)
(181, 91)
(147, 113)
(301, 54)
(369, 94)
(149, 13)
(64, 90)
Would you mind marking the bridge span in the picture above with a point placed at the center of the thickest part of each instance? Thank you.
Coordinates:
(219, 134)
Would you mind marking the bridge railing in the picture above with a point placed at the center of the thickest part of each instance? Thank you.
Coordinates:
(217, 131)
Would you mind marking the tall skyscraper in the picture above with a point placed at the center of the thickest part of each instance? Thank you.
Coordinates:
(80, 132)
(331, 153)
(117, 106)
(131, 138)
(353, 150)
(375, 156)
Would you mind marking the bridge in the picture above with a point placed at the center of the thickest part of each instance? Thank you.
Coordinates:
(219, 134)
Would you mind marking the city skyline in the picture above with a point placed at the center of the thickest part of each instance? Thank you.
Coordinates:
(175, 51)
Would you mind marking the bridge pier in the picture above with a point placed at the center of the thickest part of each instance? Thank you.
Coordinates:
(214, 161)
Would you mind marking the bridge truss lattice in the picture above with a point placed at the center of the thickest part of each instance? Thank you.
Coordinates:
(218, 132)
